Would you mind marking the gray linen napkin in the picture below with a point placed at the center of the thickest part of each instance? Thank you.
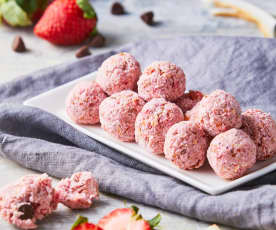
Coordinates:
(245, 67)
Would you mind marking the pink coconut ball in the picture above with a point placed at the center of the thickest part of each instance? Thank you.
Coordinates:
(119, 72)
(261, 127)
(186, 145)
(153, 122)
(188, 100)
(218, 112)
(162, 79)
(27, 200)
(83, 101)
(118, 114)
(79, 191)
(231, 154)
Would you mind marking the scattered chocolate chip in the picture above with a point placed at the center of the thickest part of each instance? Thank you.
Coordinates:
(117, 8)
(97, 41)
(28, 211)
(18, 45)
(147, 17)
(82, 52)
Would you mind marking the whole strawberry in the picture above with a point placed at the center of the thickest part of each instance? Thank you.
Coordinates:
(67, 22)
(22, 12)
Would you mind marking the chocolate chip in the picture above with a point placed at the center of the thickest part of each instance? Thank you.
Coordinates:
(117, 8)
(97, 41)
(82, 52)
(147, 17)
(28, 211)
(18, 45)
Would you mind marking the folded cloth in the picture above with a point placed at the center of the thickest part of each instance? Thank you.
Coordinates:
(245, 67)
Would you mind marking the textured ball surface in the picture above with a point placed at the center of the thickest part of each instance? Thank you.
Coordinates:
(217, 113)
(231, 154)
(119, 72)
(153, 122)
(118, 114)
(82, 103)
(261, 127)
(186, 145)
(162, 80)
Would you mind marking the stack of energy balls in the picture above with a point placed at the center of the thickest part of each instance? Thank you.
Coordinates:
(153, 109)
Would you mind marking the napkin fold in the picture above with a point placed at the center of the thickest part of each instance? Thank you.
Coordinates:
(245, 67)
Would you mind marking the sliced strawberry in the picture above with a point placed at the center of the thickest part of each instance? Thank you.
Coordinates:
(87, 226)
(127, 219)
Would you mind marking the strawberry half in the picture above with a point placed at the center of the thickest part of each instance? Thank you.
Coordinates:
(127, 219)
(82, 224)
(87, 226)
(67, 22)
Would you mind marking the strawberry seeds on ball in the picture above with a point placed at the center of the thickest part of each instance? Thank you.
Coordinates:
(83, 101)
(231, 154)
(261, 127)
(153, 122)
(186, 145)
(67, 22)
(162, 79)
(119, 72)
(118, 114)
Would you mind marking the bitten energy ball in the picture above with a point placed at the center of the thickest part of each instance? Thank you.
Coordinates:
(162, 80)
(188, 100)
(218, 112)
(119, 72)
(261, 127)
(29, 199)
(231, 154)
(186, 145)
(79, 191)
(118, 114)
(153, 122)
(82, 103)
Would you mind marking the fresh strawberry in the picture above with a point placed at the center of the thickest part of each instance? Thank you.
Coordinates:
(87, 226)
(22, 12)
(81, 223)
(127, 219)
(67, 22)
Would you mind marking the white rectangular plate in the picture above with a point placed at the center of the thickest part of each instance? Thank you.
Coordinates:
(204, 178)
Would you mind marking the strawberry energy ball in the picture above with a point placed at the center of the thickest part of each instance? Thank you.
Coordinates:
(218, 112)
(153, 122)
(118, 114)
(162, 79)
(119, 72)
(79, 191)
(82, 103)
(231, 154)
(186, 145)
(188, 100)
(261, 127)
(27, 200)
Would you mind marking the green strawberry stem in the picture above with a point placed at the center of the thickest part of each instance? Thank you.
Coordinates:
(155, 221)
(94, 32)
(135, 209)
(13, 13)
(88, 11)
(79, 220)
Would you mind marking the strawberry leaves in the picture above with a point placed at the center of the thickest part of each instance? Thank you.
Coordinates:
(155, 221)
(88, 11)
(80, 220)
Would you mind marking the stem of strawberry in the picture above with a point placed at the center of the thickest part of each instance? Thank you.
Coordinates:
(155, 221)
(79, 220)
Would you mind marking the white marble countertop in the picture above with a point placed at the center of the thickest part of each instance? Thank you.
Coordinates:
(178, 17)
